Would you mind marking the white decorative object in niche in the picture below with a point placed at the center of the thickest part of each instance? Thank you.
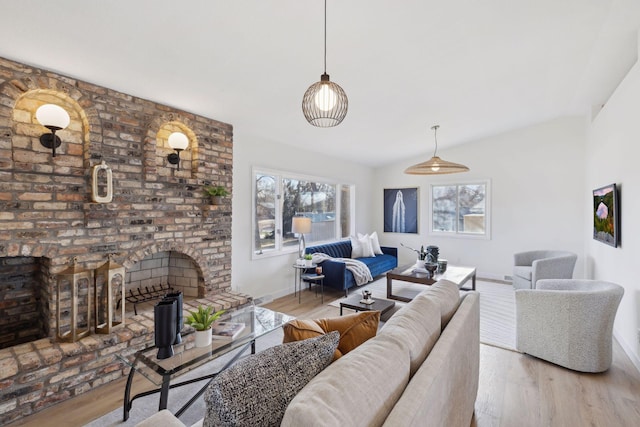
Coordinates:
(101, 180)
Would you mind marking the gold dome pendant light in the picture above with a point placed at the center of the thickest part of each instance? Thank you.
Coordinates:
(325, 104)
(435, 165)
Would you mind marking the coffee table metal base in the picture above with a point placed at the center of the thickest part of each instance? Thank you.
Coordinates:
(354, 303)
(166, 386)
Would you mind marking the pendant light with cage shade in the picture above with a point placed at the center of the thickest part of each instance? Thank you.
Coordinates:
(435, 165)
(325, 103)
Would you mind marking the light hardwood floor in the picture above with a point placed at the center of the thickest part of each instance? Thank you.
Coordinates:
(515, 389)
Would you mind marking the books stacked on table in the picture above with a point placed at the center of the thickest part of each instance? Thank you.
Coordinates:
(226, 330)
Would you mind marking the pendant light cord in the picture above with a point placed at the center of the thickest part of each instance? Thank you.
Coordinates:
(435, 138)
(325, 36)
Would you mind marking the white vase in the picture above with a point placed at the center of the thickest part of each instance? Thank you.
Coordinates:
(203, 338)
(308, 262)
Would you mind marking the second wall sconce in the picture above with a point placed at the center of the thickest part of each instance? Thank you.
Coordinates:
(54, 118)
(178, 141)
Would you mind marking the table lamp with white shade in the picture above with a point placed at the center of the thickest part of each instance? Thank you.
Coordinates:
(301, 225)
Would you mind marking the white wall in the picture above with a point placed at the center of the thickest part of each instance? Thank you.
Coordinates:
(613, 151)
(272, 277)
(537, 195)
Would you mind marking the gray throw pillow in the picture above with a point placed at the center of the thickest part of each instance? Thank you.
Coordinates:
(257, 390)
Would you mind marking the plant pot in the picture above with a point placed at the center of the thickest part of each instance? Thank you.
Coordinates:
(216, 200)
(203, 338)
(308, 263)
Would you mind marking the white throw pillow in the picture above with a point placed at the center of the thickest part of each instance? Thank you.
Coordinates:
(365, 244)
(356, 247)
(375, 243)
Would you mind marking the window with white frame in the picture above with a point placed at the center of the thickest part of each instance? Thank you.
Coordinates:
(279, 196)
(460, 209)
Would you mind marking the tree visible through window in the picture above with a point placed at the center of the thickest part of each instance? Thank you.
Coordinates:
(460, 209)
(278, 197)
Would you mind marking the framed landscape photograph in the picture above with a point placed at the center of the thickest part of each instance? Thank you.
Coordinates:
(606, 215)
(400, 210)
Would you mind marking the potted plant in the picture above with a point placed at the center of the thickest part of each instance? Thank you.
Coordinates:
(215, 193)
(308, 260)
(201, 320)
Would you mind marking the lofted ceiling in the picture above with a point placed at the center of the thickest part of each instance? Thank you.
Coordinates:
(476, 67)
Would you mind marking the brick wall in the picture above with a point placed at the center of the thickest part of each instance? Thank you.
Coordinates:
(47, 214)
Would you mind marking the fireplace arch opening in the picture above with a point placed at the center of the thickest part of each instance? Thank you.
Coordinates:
(160, 271)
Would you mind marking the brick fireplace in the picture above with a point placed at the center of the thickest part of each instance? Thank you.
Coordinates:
(159, 225)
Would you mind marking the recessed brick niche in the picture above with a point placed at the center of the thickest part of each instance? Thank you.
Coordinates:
(159, 225)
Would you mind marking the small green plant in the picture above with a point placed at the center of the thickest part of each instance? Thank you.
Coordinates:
(203, 318)
(308, 257)
(215, 191)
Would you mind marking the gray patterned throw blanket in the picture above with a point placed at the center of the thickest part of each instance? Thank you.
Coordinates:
(361, 272)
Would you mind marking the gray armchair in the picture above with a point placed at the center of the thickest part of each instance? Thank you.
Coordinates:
(568, 322)
(529, 267)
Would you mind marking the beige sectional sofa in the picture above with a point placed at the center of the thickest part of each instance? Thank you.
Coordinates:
(421, 369)
(411, 374)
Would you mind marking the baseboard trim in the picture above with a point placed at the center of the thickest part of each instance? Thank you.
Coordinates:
(628, 350)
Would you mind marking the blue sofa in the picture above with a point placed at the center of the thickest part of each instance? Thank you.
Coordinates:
(336, 274)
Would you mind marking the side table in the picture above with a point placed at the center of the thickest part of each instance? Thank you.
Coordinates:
(317, 279)
(297, 279)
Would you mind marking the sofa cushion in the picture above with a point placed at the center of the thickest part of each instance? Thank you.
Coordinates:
(354, 329)
(417, 325)
(443, 391)
(380, 264)
(340, 249)
(447, 295)
(522, 271)
(360, 389)
(257, 390)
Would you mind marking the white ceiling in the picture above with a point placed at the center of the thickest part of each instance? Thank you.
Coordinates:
(476, 67)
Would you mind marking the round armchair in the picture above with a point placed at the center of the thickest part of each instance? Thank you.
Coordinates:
(531, 266)
(568, 322)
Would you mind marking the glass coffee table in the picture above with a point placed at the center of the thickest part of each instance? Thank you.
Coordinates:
(258, 322)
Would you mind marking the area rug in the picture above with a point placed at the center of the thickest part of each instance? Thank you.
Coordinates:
(497, 307)
(146, 406)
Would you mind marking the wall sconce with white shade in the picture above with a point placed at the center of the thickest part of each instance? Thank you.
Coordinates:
(177, 141)
(301, 225)
(54, 118)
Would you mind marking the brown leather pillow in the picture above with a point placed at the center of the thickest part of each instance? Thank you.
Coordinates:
(354, 329)
(301, 329)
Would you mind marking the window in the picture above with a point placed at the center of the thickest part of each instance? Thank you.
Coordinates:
(279, 196)
(460, 209)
